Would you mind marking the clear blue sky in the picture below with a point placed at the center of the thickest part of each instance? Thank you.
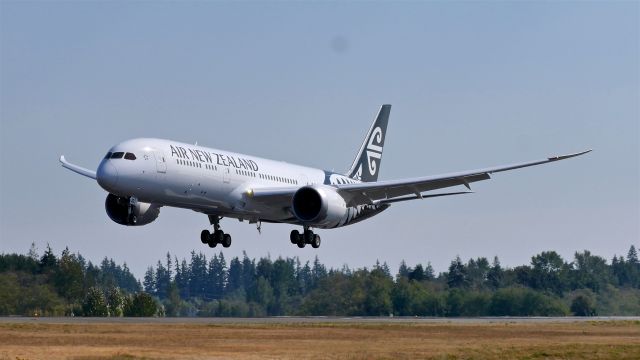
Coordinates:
(472, 85)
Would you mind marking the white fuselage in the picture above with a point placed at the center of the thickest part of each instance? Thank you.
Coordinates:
(211, 181)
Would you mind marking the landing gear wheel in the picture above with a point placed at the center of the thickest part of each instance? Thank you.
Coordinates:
(301, 244)
(226, 240)
(204, 236)
(308, 236)
(218, 236)
(295, 236)
(133, 219)
(315, 243)
(212, 244)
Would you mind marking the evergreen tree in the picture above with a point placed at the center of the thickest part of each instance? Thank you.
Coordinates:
(235, 276)
(33, 252)
(633, 267)
(377, 300)
(149, 282)
(173, 300)
(478, 271)
(632, 255)
(162, 280)
(221, 281)
(457, 276)
(283, 283)
(127, 281)
(403, 271)
(48, 261)
(417, 274)
(215, 278)
(429, 274)
(318, 272)
(305, 279)
(248, 271)
(198, 271)
(182, 277)
(386, 271)
(495, 274)
(69, 277)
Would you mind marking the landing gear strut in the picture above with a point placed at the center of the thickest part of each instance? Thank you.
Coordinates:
(307, 237)
(217, 237)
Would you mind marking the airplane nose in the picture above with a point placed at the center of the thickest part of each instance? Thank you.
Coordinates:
(107, 175)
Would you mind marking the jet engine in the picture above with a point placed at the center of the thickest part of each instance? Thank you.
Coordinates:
(128, 211)
(318, 206)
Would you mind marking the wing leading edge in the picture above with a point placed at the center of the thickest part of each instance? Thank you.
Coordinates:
(77, 169)
(383, 191)
(390, 191)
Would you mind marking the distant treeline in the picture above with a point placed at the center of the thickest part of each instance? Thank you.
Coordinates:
(199, 286)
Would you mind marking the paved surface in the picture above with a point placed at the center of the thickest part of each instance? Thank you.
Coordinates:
(312, 319)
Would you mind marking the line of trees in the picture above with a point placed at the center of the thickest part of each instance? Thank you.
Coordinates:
(201, 286)
(69, 285)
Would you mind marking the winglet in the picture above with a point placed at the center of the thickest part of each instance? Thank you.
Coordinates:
(562, 157)
(77, 169)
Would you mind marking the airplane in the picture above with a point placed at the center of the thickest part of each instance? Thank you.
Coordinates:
(144, 174)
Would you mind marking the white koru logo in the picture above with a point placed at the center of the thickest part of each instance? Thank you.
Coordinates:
(374, 150)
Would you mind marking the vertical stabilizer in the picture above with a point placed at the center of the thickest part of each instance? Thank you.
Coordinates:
(366, 165)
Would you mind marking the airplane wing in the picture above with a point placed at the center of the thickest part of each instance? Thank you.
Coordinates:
(386, 191)
(77, 169)
(381, 192)
(276, 197)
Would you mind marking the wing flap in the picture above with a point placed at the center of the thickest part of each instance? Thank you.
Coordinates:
(277, 197)
(420, 196)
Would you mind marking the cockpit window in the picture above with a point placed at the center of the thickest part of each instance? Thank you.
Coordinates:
(108, 155)
(117, 155)
(129, 156)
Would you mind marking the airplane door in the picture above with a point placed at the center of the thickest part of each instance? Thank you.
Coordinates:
(161, 163)
(225, 175)
(303, 180)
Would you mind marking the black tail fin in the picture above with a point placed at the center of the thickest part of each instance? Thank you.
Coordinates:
(366, 165)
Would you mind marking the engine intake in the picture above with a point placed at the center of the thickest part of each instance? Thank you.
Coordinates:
(307, 204)
(318, 205)
(125, 212)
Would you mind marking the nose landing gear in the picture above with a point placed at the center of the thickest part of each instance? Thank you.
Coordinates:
(217, 237)
(307, 237)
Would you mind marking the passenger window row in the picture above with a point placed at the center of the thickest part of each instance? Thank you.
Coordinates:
(279, 178)
(245, 173)
(196, 164)
(239, 172)
(188, 163)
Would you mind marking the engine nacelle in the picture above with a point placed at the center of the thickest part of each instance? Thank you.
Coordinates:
(318, 205)
(131, 213)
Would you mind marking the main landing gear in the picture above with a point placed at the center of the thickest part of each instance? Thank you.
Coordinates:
(307, 237)
(217, 237)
